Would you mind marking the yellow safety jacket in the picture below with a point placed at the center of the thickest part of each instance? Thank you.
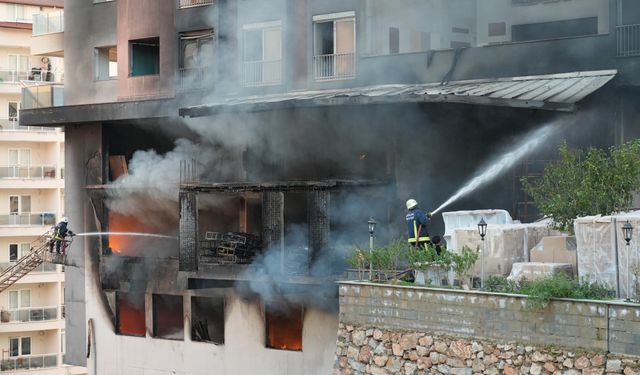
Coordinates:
(416, 238)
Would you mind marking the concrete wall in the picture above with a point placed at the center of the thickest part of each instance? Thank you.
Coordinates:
(87, 26)
(598, 326)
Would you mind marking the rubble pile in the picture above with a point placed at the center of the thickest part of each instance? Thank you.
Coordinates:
(382, 352)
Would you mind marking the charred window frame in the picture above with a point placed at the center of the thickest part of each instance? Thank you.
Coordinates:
(167, 317)
(197, 58)
(144, 57)
(208, 319)
(284, 327)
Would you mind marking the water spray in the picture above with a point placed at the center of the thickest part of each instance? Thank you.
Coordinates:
(88, 234)
(499, 165)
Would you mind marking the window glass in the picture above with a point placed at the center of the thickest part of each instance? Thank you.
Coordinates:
(25, 298)
(26, 346)
(25, 202)
(14, 347)
(13, 252)
(13, 299)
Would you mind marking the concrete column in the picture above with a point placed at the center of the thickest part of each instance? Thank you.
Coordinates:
(188, 260)
(273, 221)
(318, 216)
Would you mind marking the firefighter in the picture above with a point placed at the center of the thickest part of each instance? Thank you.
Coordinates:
(417, 222)
(60, 231)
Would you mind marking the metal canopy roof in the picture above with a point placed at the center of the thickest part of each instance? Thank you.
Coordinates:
(557, 92)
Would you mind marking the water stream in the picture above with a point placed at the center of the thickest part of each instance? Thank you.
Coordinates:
(125, 234)
(502, 163)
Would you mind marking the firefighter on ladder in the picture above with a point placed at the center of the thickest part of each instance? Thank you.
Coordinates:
(417, 221)
(60, 231)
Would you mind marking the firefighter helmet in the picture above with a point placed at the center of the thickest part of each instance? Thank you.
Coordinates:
(412, 203)
(65, 220)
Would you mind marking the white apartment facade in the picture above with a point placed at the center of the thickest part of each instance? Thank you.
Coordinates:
(32, 335)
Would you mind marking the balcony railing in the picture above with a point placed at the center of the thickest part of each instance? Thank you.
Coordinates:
(334, 66)
(12, 75)
(31, 314)
(194, 3)
(27, 362)
(46, 23)
(262, 73)
(42, 96)
(44, 267)
(12, 124)
(31, 219)
(28, 172)
(628, 40)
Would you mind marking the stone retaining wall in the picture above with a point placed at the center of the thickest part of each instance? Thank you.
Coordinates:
(383, 321)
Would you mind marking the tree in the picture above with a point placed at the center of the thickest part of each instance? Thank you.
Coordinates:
(586, 182)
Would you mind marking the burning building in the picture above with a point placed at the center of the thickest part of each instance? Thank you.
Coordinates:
(248, 142)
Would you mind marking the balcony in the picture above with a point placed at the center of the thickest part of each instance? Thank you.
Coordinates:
(193, 3)
(42, 96)
(28, 172)
(31, 314)
(31, 219)
(43, 268)
(47, 23)
(262, 73)
(12, 124)
(334, 66)
(28, 362)
(628, 40)
(196, 78)
(48, 34)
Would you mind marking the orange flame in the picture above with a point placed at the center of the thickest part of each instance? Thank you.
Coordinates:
(124, 223)
(284, 331)
(131, 318)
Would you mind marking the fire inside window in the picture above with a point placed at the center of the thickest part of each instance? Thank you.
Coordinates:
(130, 314)
(284, 327)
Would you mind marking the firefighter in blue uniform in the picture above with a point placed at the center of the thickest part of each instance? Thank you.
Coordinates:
(417, 222)
(60, 231)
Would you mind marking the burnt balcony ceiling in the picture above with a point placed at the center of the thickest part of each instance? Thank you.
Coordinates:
(239, 187)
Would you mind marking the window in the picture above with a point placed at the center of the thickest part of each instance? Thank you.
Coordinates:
(394, 40)
(63, 341)
(13, 110)
(334, 46)
(18, 67)
(284, 327)
(167, 317)
(196, 59)
(19, 163)
(106, 59)
(130, 319)
(19, 346)
(19, 204)
(262, 54)
(19, 299)
(207, 319)
(497, 29)
(145, 57)
(17, 251)
(15, 13)
(555, 29)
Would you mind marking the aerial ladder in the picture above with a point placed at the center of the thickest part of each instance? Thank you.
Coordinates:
(38, 254)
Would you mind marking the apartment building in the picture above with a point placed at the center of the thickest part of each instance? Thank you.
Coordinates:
(32, 332)
(257, 138)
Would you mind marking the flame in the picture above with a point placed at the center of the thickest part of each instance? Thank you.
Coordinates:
(284, 331)
(124, 223)
(131, 318)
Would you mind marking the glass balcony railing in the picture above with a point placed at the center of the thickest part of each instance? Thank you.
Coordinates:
(31, 314)
(39, 172)
(43, 268)
(28, 362)
(47, 23)
(13, 76)
(12, 124)
(42, 96)
(33, 219)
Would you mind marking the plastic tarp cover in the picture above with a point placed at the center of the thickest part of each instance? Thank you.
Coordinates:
(538, 270)
(505, 244)
(602, 250)
(467, 219)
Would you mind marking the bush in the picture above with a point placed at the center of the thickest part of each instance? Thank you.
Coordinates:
(582, 183)
(559, 285)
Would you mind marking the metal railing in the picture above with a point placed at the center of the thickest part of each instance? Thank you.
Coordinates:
(46, 23)
(334, 66)
(27, 362)
(44, 267)
(31, 219)
(33, 314)
(193, 3)
(12, 124)
(262, 73)
(628, 40)
(28, 171)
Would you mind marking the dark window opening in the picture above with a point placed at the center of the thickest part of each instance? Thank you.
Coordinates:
(145, 56)
(207, 319)
(197, 60)
(167, 317)
(555, 29)
(394, 40)
(284, 327)
(13, 252)
(130, 316)
(324, 36)
(629, 12)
